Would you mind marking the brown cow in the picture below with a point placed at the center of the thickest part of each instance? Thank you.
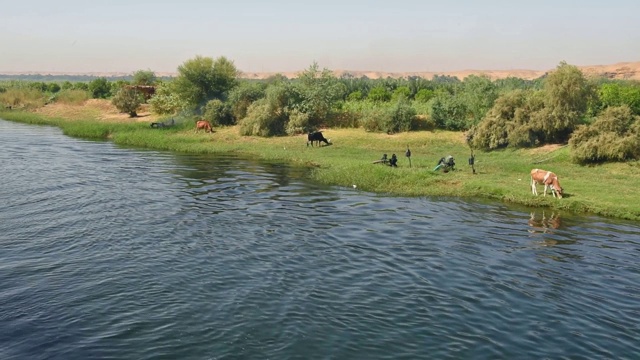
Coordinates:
(203, 124)
(548, 179)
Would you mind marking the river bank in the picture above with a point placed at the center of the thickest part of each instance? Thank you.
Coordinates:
(607, 190)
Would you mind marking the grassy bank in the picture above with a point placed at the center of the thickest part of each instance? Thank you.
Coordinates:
(608, 190)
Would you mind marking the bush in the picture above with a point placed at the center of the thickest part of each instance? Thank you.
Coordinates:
(400, 117)
(262, 120)
(128, 100)
(165, 101)
(613, 136)
(298, 123)
(373, 119)
(218, 113)
(100, 88)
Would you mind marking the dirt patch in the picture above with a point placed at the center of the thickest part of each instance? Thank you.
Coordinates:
(545, 149)
(99, 109)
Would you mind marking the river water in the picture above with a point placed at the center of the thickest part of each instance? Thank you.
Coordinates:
(115, 253)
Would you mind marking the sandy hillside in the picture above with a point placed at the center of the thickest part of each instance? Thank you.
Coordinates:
(626, 70)
(623, 70)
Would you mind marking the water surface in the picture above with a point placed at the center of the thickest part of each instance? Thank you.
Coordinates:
(113, 253)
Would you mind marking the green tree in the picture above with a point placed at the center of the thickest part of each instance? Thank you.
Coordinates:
(144, 77)
(478, 94)
(202, 79)
(618, 94)
(424, 95)
(166, 101)
(128, 100)
(100, 88)
(379, 94)
(613, 136)
(567, 93)
(243, 95)
(319, 91)
(401, 91)
(448, 112)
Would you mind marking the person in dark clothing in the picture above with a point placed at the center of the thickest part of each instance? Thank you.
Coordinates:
(394, 161)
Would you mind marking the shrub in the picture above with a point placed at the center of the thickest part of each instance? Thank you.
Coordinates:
(400, 117)
(218, 113)
(128, 100)
(298, 123)
(100, 88)
(165, 101)
(262, 120)
(613, 136)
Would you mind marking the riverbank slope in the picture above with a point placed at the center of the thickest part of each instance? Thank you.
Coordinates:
(607, 190)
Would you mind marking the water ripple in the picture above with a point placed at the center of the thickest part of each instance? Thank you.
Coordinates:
(115, 253)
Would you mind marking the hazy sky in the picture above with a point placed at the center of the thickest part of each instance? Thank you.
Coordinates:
(282, 35)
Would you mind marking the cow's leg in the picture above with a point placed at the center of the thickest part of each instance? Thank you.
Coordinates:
(534, 191)
(545, 189)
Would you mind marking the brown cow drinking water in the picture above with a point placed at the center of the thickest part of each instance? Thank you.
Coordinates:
(548, 179)
(202, 124)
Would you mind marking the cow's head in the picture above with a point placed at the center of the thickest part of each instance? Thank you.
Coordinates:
(555, 187)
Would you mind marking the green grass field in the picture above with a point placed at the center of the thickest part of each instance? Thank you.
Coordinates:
(607, 189)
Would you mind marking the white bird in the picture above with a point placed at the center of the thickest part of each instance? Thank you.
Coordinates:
(354, 186)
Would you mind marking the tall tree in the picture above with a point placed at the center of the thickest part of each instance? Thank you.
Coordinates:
(144, 77)
(202, 79)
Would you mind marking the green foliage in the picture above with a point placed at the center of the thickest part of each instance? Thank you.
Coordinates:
(117, 85)
(261, 120)
(374, 119)
(613, 136)
(269, 115)
(531, 118)
(298, 123)
(318, 92)
(242, 96)
(53, 87)
(166, 101)
(80, 86)
(619, 93)
(355, 96)
(144, 77)
(202, 79)
(218, 113)
(128, 100)
(67, 85)
(72, 97)
(400, 117)
(100, 88)
(379, 94)
(567, 93)
(424, 95)
(478, 95)
(401, 91)
(449, 112)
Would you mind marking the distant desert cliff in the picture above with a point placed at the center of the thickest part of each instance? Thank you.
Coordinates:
(623, 70)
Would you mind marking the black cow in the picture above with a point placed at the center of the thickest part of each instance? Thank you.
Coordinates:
(316, 136)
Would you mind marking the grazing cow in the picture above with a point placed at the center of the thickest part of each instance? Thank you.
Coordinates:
(548, 179)
(316, 136)
(203, 124)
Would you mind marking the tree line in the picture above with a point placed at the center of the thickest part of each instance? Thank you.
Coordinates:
(598, 118)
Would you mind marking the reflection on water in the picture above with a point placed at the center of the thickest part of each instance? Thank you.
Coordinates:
(544, 221)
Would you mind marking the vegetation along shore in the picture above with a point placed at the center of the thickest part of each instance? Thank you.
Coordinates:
(584, 129)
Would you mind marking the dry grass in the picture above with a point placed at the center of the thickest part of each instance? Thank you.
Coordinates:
(100, 109)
